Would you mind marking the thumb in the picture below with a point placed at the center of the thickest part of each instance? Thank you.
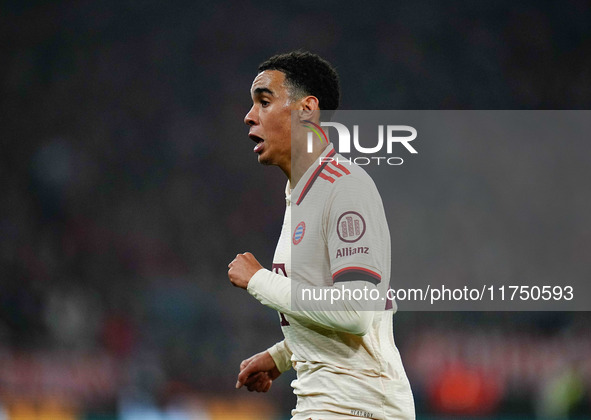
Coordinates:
(246, 362)
(245, 372)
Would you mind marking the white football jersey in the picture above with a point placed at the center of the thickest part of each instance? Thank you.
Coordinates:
(335, 232)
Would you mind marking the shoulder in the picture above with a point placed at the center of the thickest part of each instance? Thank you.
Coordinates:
(354, 180)
(355, 191)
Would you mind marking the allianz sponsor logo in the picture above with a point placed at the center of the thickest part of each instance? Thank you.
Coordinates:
(350, 250)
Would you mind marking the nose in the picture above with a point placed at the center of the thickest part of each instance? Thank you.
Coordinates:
(250, 118)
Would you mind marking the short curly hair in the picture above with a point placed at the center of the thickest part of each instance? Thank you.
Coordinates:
(307, 74)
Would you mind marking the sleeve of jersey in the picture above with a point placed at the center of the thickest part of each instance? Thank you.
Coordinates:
(357, 233)
(281, 355)
(345, 315)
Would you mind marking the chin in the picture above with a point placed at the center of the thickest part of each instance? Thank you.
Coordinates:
(263, 160)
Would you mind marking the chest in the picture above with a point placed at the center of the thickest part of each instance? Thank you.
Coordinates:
(302, 248)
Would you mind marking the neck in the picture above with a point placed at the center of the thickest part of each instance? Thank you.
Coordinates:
(300, 162)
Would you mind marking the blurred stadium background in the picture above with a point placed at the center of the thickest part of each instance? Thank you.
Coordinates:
(128, 184)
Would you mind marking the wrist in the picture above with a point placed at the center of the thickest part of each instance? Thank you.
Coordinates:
(252, 282)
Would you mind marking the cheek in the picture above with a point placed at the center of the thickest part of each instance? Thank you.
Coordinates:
(279, 127)
(284, 132)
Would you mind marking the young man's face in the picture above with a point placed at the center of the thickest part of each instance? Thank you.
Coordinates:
(269, 119)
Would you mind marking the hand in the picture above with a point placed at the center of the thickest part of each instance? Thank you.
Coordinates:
(258, 372)
(242, 268)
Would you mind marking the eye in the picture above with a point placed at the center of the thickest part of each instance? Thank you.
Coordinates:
(264, 103)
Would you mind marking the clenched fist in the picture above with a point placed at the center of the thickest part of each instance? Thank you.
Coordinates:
(258, 372)
(242, 268)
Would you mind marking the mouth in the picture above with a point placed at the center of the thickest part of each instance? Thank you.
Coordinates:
(259, 141)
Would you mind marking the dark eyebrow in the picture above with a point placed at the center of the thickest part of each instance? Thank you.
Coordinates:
(261, 90)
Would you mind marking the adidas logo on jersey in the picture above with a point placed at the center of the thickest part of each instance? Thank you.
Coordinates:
(345, 252)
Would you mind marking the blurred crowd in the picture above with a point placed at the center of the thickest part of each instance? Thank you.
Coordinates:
(128, 183)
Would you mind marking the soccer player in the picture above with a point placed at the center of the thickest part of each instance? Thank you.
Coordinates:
(344, 353)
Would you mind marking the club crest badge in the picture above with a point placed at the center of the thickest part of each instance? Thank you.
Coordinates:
(298, 233)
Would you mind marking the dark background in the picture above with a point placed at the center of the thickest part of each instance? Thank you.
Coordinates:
(128, 183)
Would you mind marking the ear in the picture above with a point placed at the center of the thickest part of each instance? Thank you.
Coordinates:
(309, 108)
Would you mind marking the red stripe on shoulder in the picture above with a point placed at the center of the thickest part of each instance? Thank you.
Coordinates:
(326, 177)
(333, 172)
(341, 167)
